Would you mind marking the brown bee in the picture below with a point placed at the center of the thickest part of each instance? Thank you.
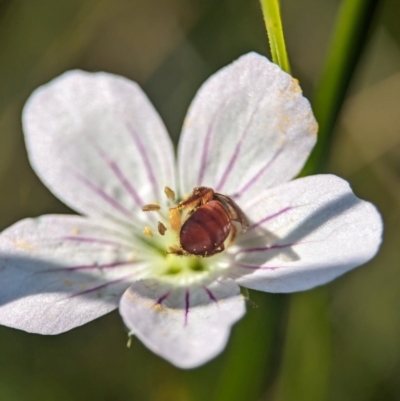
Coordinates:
(209, 222)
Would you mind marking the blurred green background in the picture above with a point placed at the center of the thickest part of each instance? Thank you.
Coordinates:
(337, 342)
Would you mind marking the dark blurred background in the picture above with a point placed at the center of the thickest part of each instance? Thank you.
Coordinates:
(338, 342)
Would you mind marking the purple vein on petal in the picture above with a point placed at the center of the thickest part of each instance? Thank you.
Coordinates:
(91, 240)
(244, 266)
(204, 155)
(187, 296)
(101, 286)
(236, 153)
(270, 217)
(256, 176)
(162, 298)
(229, 167)
(264, 248)
(100, 192)
(87, 267)
(118, 173)
(210, 294)
(145, 157)
(206, 147)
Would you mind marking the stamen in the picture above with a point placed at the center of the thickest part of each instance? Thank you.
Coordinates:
(151, 207)
(147, 232)
(170, 193)
(174, 249)
(175, 219)
(161, 228)
(129, 342)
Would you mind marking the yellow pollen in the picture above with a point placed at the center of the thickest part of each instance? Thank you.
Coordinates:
(151, 207)
(170, 193)
(175, 219)
(147, 232)
(158, 307)
(24, 245)
(161, 228)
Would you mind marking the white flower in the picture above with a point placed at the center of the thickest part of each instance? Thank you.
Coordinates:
(98, 144)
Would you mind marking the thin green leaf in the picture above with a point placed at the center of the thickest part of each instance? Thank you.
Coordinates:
(273, 22)
(349, 38)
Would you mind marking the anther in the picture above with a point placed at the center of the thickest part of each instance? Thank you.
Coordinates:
(170, 193)
(161, 228)
(147, 232)
(151, 207)
(175, 219)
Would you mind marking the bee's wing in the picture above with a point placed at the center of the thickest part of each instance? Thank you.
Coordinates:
(233, 209)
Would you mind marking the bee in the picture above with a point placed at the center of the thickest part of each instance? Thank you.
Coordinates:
(209, 222)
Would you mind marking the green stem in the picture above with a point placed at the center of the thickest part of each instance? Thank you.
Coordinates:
(273, 22)
(248, 360)
(306, 361)
(307, 357)
(348, 41)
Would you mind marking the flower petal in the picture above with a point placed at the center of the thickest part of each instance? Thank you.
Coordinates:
(187, 326)
(304, 234)
(249, 128)
(98, 144)
(59, 272)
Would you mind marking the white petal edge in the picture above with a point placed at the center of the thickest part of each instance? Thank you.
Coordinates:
(248, 129)
(305, 233)
(98, 144)
(59, 272)
(186, 326)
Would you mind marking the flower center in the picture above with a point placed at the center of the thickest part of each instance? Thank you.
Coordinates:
(188, 233)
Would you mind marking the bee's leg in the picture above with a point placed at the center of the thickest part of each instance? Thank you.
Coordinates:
(215, 251)
(232, 235)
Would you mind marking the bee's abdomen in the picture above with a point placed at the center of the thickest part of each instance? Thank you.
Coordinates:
(206, 229)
